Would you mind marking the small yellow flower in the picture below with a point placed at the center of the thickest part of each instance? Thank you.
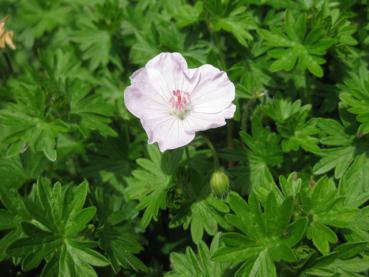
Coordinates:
(6, 37)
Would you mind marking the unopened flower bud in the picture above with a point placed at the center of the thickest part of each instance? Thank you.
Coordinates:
(219, 183)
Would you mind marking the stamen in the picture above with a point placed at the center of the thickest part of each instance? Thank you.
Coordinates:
(181, 103)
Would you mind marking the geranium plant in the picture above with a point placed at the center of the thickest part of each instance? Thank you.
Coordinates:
(202, 138)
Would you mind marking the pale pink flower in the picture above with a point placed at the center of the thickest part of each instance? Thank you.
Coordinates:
(173, 101)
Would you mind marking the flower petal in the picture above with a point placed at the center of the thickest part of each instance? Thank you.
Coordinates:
(152, 85)
(197, 121)
(140, 81)
(214, 92)
(169, 72)
(143, 104)
(166, 72)
(211, 100)
(168, 132)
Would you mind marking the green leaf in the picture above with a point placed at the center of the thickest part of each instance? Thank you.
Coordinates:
(52, 233)
(41, 18)
(354, 184)
(197, 264)
(354, 95)
(287, 62)
(12, 215)
(236, 254)
(292, 124)
(117, 237)
(80, 220)
(263, 266)
(185, 14)
(263, 237)
(202, 211)
(95, 44)
(296, 232)
(295, 46)
(151, 182)
(321, 236)
(263, 153)
(238, 22)
(91, 110)
(339, 157)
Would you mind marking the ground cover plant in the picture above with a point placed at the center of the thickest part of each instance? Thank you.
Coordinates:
(281, 188)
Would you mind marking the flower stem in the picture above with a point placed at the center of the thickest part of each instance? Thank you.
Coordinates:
(246, 108)
(217, 42)
(230, 140)
(308, 96)
(6, 57)
(214, 152)
(188, 157)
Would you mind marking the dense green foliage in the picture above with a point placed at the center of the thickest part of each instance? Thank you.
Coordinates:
(82, 194)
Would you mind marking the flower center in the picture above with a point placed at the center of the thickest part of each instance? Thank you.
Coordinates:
(181, 103)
